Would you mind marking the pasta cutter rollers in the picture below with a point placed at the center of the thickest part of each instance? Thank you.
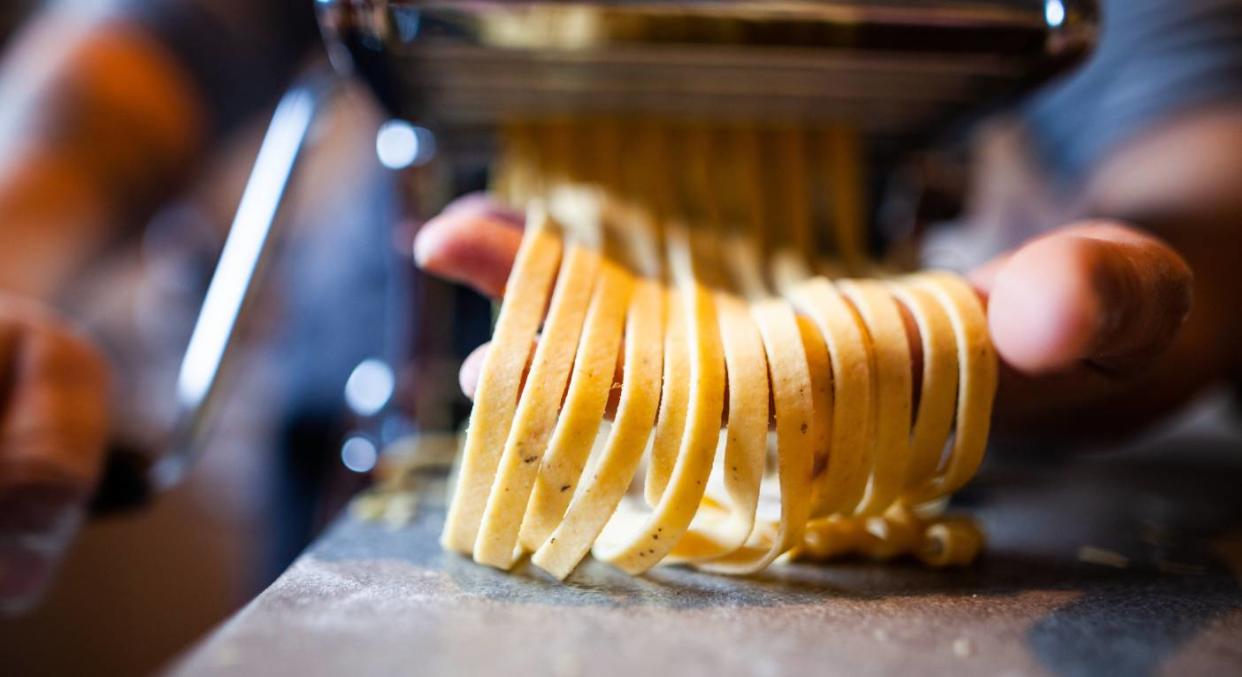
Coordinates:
(898, 70)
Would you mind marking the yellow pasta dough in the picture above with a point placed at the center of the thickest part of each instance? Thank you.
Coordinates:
(746, 439)
(501, 378)
(591, 508)
(672, 515)
(780, 409)
(537, 410)
(583, 409)
(791, 391)
(851, 456)
(891, 392)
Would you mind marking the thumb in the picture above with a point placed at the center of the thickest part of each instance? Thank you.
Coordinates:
(1098, 293)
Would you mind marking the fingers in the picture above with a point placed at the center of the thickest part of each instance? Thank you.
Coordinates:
(1099, 294)
(53, 429)
(472, 242)
(53, 422)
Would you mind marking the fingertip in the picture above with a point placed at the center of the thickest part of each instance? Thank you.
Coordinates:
(475, 250)
(1099, 293)
(1043, 311)
(431, 239)
(428, 241)
(471, 368)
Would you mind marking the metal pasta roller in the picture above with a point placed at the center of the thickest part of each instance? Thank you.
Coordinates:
(898, 70)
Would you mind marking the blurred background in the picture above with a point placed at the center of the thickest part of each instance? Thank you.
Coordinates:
(315, 400)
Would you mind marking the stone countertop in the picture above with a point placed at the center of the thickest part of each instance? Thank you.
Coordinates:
(1123, 564)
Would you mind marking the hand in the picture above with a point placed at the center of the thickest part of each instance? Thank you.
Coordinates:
(1083, 318)
(53, 428)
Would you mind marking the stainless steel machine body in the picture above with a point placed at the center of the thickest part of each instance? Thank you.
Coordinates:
(899, 70)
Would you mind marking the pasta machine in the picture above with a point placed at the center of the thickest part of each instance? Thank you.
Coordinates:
(905, 73)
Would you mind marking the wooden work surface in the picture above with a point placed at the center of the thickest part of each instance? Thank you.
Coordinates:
(1125, 564)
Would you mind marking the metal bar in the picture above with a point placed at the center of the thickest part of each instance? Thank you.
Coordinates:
(250, 242)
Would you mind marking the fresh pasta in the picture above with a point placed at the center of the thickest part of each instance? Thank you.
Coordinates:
(782, 394)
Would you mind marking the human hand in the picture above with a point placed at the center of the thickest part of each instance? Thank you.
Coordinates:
(1083, 317)
(53, 428)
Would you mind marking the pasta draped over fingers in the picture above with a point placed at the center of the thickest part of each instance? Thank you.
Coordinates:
(790, 395)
